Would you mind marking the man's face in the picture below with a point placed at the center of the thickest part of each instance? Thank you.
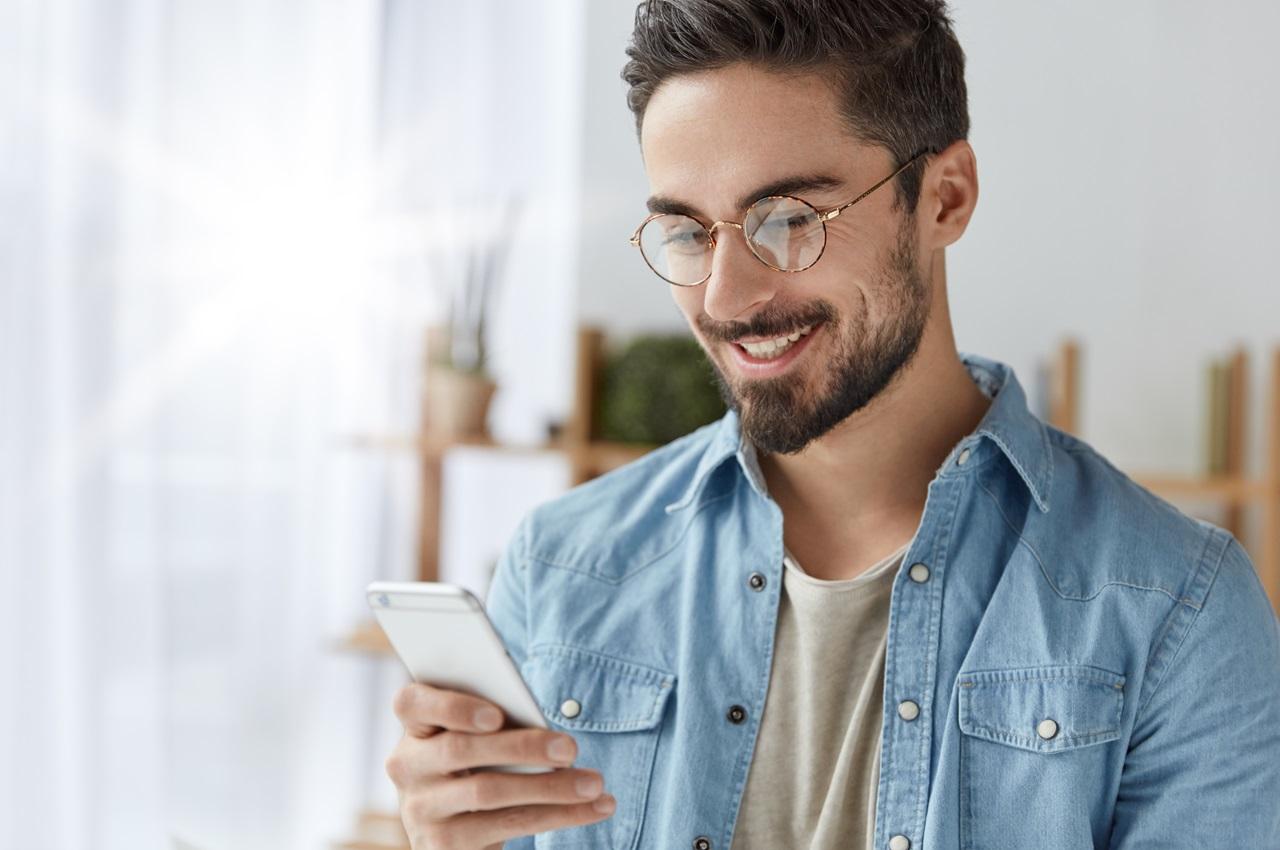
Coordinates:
(710, 138)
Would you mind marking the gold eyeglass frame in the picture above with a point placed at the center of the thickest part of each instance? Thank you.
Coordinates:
(823, 218)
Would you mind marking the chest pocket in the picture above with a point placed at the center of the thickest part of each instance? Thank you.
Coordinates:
(1042, 709)
(613, 709)
(1033, 751)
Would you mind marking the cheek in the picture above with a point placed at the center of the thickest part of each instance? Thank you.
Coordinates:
(843, 260)
(845, 276)
(859, 248)
(689, 300)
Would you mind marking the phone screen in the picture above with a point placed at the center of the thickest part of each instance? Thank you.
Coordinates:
(445, 639)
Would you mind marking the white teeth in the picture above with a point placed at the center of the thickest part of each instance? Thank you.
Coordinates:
(772, 348)
(765, 349)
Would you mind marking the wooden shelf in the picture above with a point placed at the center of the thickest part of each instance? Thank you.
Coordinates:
(597, 453)
(587, 458)
(429, 444)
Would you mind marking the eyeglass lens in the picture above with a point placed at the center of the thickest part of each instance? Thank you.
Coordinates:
(785, 233)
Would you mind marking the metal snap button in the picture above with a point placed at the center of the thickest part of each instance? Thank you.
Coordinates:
(908, 710)
(964, 457)
(919, 573)
(1047, 729)
(702, 843)
(899, 842)
(736, 714)
(570, 708)
(756, 581)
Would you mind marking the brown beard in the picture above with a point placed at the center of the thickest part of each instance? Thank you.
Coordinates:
(775, 413)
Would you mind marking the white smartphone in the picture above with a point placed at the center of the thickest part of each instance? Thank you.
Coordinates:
(443, 635)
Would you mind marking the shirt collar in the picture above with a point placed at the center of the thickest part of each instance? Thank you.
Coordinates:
(1008, 424)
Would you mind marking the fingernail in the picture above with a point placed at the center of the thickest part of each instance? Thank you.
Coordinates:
(488, 718)
(589, 786)
(604, 804)
(561, 749)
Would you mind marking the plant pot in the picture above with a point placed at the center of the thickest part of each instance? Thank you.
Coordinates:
(457, 403)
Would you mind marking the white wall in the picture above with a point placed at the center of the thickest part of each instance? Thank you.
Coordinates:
(1128, 163)
(615, 288)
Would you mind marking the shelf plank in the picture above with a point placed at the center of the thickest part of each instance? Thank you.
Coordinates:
(617, 454)
(599, 450)
(434, 445)
(1225, 488)
(598, 457)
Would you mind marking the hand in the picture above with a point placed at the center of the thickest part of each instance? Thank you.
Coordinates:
(448, 805)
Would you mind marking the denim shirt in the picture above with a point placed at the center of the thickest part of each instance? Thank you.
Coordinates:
(1091, 667)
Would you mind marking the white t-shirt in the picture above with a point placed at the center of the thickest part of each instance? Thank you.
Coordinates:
(816, 765)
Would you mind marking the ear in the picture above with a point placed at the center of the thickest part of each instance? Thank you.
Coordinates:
(948, 195)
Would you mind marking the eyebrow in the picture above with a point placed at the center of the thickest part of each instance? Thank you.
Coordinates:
(792, 185)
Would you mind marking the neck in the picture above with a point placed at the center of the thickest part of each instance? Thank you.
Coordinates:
(856, 494)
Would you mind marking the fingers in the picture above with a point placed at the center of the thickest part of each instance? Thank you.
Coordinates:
(488, 828)
(488, 790)
(446, 802)
(417, 759)
(425, 710)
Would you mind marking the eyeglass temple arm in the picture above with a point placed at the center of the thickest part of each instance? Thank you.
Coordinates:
(830, 214)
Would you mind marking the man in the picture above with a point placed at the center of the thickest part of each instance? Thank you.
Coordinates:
(879, 604)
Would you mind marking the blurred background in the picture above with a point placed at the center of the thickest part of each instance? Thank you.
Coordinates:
(260, 260)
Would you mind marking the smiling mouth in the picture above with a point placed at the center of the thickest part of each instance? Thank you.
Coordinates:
(771, 349)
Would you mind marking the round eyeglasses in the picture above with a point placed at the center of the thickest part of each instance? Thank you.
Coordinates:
(785, 233)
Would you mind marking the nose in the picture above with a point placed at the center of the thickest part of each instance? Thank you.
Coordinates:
(739, 281)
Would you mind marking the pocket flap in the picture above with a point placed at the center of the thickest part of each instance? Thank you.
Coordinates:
(589, 691)
(1043, 709)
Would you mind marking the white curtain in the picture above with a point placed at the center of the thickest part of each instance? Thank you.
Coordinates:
(212, 275)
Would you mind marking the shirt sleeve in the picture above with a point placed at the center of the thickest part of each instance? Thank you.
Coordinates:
(1203, 764)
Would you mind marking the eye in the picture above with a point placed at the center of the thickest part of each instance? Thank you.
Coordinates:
(682, 235)
(793, 223)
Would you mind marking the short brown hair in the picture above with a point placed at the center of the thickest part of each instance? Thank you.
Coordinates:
(895, 65)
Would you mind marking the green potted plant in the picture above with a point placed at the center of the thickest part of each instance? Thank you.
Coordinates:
(656, 388)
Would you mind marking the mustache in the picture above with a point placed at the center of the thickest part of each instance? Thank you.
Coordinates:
(774, 323)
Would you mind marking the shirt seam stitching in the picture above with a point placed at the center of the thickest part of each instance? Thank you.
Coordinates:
(1178, 613)
(1045, 572)
(550, 562)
